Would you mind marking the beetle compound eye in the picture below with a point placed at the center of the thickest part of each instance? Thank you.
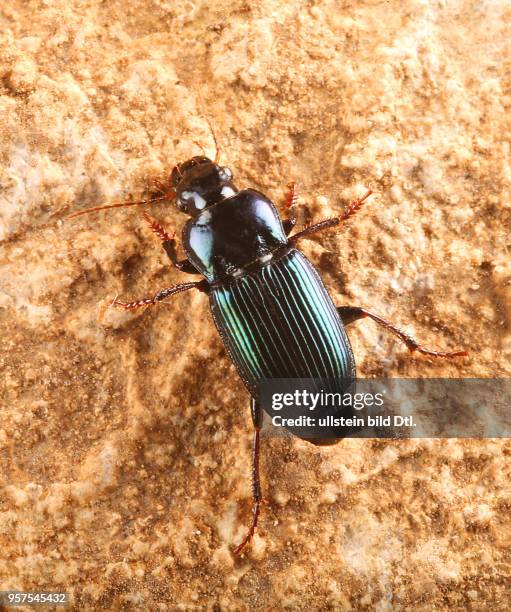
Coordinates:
(225, 173)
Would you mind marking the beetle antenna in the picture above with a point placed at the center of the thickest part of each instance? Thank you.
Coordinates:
(215, 139)
(217, 147)
(201, 146)
(165, 196)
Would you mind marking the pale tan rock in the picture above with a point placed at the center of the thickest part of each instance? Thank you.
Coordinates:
(124, 443)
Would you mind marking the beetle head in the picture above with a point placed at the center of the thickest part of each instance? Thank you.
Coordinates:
(200, 183)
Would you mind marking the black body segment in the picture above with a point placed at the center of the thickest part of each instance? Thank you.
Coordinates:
(279, 322)
(233, 234)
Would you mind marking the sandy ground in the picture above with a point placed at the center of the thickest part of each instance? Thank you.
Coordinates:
(124, 447)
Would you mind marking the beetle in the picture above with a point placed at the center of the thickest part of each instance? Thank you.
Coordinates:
(270, 307)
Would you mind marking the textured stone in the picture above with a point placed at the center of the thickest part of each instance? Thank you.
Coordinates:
(125, 445)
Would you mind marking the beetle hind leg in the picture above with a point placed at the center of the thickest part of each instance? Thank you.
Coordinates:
(349, 314)
(257, 417)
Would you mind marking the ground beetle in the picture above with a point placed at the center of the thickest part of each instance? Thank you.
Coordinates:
(271, 309)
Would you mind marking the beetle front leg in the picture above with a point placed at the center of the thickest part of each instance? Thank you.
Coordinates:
(169, 244)
(257, 419)
(163, 294)
(349, 314)
(333, 222)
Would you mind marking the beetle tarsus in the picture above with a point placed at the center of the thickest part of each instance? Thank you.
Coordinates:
(333, 222)
(251, 531)
(157, 228)
(354, 207)
(133, 305)
(169, 245)
(163, 294)
(291, 195)
(433, 353)
(168, 242)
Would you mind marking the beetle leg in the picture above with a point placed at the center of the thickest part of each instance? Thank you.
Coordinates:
(349, 314)
(169, 244)
(257, 417)
(163, 294)
(291, 195)
(158, 229)
(184, 265)
(290, 203)
(327, 223)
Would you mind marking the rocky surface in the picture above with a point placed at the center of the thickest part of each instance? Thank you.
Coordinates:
(124, 446)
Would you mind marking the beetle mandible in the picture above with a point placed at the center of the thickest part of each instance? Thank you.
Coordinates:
(271, 309)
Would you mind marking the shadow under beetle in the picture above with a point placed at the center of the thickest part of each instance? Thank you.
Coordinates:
(271, 309)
